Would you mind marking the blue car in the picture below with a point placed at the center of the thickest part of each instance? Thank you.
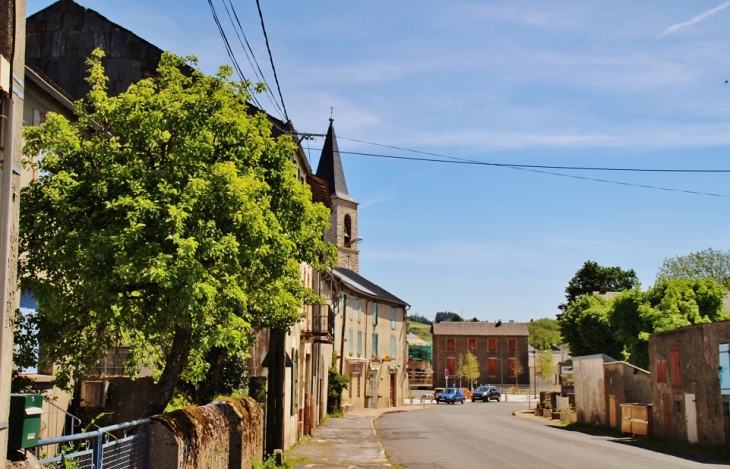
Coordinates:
(451, 395)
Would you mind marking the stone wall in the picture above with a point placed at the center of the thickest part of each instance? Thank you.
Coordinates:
(225, 434)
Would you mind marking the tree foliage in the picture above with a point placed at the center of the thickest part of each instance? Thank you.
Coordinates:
(166, 218)
(544, 332)
(418, 318)
(517, 369)
(445, 316)
(592, 277)
(695, 265)
(470, 369)
(544, 364)
(620, 327)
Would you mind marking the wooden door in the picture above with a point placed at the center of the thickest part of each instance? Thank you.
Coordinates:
(667, 411)
(393, 402)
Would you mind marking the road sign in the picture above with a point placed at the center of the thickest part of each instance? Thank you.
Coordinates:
(446, 372)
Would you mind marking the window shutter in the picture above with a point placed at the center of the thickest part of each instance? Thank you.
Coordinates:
(392, 317)
(492, 367)
(676, 370)
(661, 371)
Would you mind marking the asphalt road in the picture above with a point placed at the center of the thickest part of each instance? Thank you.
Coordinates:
(487, 435)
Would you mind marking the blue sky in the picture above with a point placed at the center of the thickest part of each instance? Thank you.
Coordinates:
(620, 84)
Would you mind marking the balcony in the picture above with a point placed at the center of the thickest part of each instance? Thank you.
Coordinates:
(319, 326)
(420, 377)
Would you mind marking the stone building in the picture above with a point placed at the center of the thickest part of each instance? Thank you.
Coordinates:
(496, 345)
(370, 322)
(690, 377)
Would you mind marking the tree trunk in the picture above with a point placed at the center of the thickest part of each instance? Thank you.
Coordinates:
(176, 361)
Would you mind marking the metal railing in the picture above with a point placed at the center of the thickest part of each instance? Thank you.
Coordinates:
(420, 377)
(56, 421)
(119, 446)
(320, 324)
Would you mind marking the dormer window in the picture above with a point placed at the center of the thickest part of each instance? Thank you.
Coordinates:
(348, 230)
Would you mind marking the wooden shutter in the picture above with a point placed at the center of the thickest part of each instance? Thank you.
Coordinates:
(512, 345)
(492, 367)
(492, 344)
(472, 345)
(451, 366)
(676, 370)
(449, 344)
(661, 371)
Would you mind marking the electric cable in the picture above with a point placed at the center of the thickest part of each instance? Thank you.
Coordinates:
(271, 58)
(246, 50)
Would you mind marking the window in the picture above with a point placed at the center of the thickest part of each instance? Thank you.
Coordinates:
(492, 345)
(375, 314)
(359, 343)
(352, 306)
(676, 375)
(450, 344)
(492, 369)
(511, 366)
(451, 366)
(725, 369)
(472, 345)
(661, 371)
(375, 345)
(341, 303)
(348, 230)
(392, 348)
(392, 317)
(359, 309)
(351, 341)
(512, 345)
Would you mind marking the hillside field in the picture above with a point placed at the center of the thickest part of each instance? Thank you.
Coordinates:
(422, 331)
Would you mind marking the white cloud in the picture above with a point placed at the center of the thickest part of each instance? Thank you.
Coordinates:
(701, 17)
(381, 194)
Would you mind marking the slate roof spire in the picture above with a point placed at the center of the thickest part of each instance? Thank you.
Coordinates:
(330, 166)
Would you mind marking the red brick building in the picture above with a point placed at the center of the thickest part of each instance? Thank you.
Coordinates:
(496, 345)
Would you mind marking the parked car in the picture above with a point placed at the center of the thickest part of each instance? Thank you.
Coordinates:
(486, 394)
(451, 395)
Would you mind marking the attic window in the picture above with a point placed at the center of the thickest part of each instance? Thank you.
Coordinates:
(348, 230)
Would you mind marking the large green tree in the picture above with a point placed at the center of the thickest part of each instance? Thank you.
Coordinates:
(543, 332)
(166, 218)
(592, 277)
(586, 328)
(701, 264)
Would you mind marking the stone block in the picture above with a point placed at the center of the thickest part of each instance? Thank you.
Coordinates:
(72, 20)
(52, 20)
(32, 45)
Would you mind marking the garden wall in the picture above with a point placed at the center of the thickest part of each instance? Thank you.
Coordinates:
(225, 434)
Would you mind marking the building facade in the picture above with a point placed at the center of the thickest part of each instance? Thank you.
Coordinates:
(498, 347)
(690, 377)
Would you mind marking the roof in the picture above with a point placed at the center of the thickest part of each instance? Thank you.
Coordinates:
(360, 284)
(413, 339)
(605, 358)
(480, 328)
(330, 166)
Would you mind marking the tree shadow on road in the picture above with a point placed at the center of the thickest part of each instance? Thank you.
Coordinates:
(703, 454)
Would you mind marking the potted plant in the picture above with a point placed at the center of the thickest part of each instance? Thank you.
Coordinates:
(538, 410)
(547, 410)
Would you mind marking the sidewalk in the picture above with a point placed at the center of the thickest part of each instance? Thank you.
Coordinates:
(347, 442)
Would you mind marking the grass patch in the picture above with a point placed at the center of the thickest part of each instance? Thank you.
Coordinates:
(422, 331)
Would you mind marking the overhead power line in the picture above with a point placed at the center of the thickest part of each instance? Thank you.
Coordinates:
(271, 58)
(250, 55)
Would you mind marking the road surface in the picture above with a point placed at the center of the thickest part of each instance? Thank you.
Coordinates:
(487, 435)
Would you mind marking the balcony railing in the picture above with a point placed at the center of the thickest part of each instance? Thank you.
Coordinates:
(320, 324)
(420, 377)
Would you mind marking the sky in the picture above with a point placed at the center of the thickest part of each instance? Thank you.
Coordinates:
(619, 84)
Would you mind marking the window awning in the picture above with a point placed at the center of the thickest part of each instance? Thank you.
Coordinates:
(374, 367)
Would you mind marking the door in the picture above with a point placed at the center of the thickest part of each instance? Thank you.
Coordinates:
(372, 390)
(667, 411)
(690, 414)
(612, 411)
(393, 402)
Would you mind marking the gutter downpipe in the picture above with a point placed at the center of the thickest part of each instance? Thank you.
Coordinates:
(5, 210)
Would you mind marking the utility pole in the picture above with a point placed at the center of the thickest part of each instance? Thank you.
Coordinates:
(12, 49)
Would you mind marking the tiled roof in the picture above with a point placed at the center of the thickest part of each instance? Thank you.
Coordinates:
(364, 286)
(480, 328)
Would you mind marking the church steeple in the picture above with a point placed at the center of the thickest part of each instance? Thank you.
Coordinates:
(343, 219)
(330, 166)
